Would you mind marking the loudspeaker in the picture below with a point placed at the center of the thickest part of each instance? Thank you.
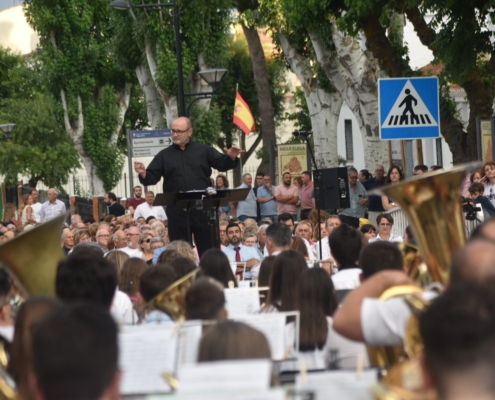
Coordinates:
(331, 188)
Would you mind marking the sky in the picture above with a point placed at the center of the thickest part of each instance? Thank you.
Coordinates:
(9, 3)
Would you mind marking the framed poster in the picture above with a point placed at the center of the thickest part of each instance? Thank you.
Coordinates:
(292, 158)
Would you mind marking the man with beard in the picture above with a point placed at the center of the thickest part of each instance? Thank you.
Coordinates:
(136, 200)
(114, 208)
(287, 196)
(237, 252)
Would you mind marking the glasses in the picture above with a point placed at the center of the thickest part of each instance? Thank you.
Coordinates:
(353, 177)
(146, 241)
(133, 234)
(178, 131)
(385, 224)
(105, 236)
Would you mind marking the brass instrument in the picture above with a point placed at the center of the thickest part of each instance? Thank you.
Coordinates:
(171, 300)
(432, 205)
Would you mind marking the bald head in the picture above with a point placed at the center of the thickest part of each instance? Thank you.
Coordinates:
(485, 231)
(474, 263)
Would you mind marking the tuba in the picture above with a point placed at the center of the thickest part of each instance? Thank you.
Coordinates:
(433, 208)
(171, 300)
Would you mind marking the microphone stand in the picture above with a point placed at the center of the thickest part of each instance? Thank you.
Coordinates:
(317, 180)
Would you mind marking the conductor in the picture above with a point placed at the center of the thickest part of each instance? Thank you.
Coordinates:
(186, 166)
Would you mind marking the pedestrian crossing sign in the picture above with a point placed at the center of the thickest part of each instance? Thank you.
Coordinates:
(409, 108)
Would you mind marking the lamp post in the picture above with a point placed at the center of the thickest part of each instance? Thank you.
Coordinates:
(7, 129)
(212, 77)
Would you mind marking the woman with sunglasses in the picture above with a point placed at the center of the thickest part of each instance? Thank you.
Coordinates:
(385, 223)
(489, 170)
(146, 247)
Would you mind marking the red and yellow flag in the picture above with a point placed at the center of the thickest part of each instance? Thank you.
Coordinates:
(242, 115)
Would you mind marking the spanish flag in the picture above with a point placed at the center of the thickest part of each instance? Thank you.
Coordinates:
(242, 115)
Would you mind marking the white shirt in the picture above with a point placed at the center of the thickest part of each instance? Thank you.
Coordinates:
(144, 210)
(337, 349)
(311, 253)
(7, 332)
(132, 252)
(325, 250)
(393, 239)
(346, 279)
(36, 214)
(122, 309)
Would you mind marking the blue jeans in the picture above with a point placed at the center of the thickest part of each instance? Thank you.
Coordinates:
(242, 218)
(274, 218)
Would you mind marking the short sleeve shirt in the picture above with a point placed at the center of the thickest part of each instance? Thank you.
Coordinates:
(287, 191)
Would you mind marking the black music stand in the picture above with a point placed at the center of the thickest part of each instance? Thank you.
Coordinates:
(202, 200)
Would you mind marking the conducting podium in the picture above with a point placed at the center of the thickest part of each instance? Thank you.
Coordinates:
(208, 201)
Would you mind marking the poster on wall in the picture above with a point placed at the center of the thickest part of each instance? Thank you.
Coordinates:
(292, 158)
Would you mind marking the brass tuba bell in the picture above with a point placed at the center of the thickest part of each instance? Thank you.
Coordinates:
(171, 300)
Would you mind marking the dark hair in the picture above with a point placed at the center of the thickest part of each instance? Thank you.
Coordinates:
(111, 196)
(129, 275)
(481, 173)
(287, 269)
(299, 245)
(86, 277)
(285, 217)
(401, 175)
(410, 235)
(182, 266)
(476, 187)
(155, 280)
(224, 179)
(204, 299)
(379, 256)
(214, 263)
(5, 285)
(89, 220)
(436, 167)
(266, 268)
(421, 167)
(388, 217)
(316, 300)
(76, 353)
(307, 173)
(457, 332)
(365, 173)
(150, 218)
(346, 244)
(259, 173)
(280, 234)
(232, 340)
(232, 225)
(366, 228)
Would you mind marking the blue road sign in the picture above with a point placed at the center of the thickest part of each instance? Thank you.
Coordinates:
(150, 133)
(409, 108)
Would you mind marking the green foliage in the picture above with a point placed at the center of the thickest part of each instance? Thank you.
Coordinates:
(206, 124)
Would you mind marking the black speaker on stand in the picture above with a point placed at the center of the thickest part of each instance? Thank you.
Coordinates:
(331, 188)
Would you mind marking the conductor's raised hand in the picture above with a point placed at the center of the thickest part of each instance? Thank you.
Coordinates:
(139, 168)
(233, 152)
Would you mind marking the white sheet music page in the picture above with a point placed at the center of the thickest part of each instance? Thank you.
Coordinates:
(242, 301)
(238, 375)
(342, 385)
(272, 394)
(145, 352)
(190, 335)
(273, 327)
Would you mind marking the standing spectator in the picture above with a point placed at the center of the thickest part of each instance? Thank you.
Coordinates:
(136, 200)
(394, 175)
(147, 209)
(27, 210)
(489, 170)
(298, 183)
(222, 183)
(375, 206)
(420, 169)
(266, 200)
(306, 195)
(364, 175)
(36, 206)
(247, 208)
(259, 183)
(53, 207)
(358, 196)
(10, 215)
(287, 196)
(114, 208)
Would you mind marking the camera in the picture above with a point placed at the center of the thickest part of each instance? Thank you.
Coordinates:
(468, 206)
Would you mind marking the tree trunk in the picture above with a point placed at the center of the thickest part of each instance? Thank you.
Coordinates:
(260, 71)
(355, 76)
(152, 99)
(324, 107)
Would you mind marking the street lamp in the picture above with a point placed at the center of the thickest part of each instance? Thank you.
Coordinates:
(7, 129)
(124, 5)
(212, 77)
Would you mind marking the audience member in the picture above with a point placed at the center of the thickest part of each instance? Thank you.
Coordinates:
(215, 264)
(205, 300)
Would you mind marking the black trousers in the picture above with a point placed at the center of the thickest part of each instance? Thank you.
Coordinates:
(205, 235)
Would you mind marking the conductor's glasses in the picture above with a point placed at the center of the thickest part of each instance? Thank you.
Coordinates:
(178, 131)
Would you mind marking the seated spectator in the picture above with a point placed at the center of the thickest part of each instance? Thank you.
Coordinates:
(182, 266)
(215, 264)
(152, 282)
(205, 300)
(369, 231)
(84, 339)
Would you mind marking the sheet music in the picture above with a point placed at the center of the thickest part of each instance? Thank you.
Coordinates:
(220, 376)
(273, 327)
(342, 385)
(273, 394)
(190, 335)
(145, 353)
(242, 301)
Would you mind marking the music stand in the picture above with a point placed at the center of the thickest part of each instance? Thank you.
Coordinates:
(199, 200)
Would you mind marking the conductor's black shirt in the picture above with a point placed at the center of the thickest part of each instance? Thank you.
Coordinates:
(188, 169)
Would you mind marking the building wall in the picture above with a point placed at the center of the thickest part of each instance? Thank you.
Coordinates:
(15, 33)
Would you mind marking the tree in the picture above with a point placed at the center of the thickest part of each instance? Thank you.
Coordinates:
(40, 148)
(94, 91)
